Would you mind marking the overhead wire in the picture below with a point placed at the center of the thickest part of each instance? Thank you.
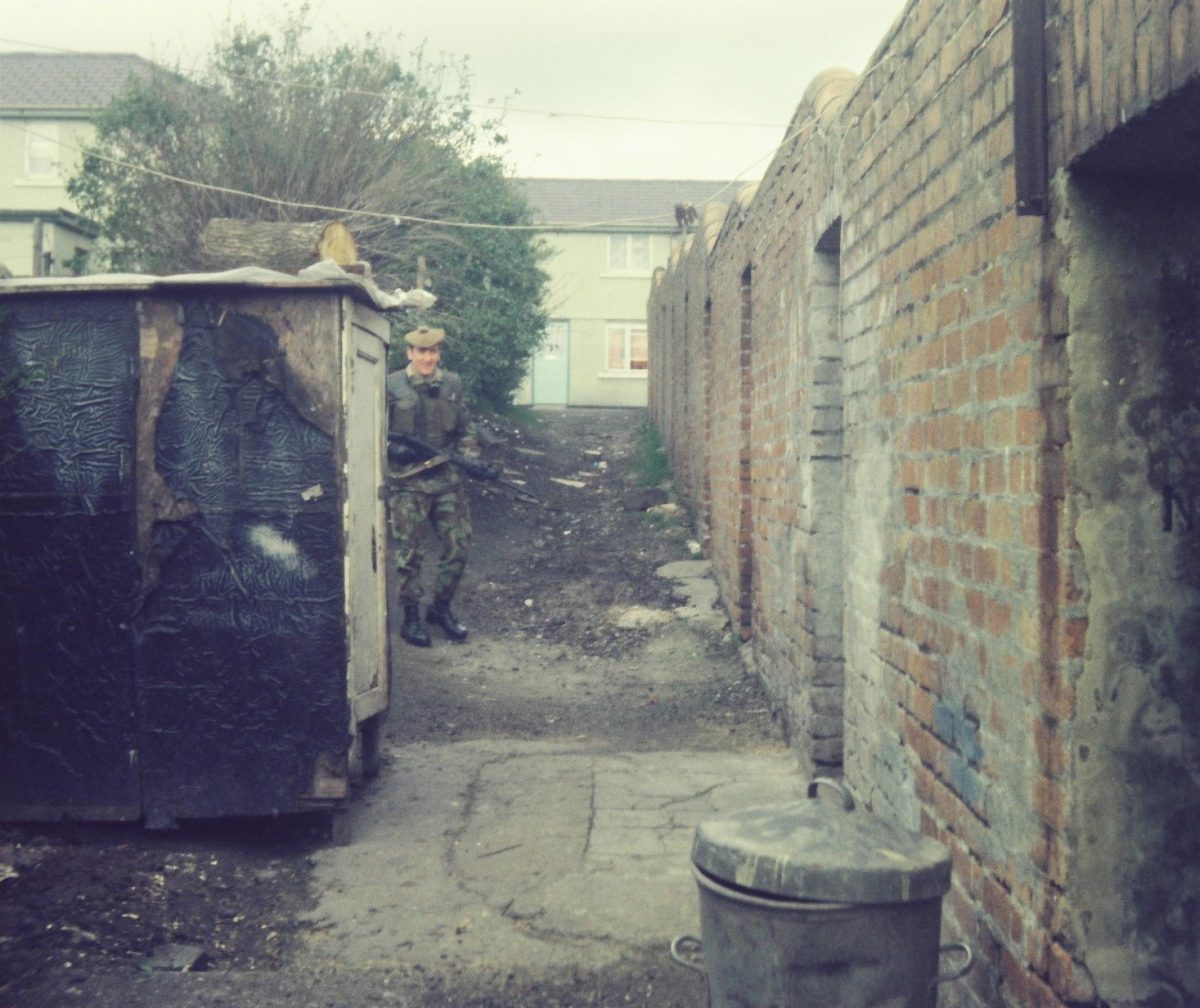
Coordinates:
(398, 219)
(346, 212)
(503, 107)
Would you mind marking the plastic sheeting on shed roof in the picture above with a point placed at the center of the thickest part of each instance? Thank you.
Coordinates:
(320, 276)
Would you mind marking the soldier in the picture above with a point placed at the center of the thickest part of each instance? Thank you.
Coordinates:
(427, 401)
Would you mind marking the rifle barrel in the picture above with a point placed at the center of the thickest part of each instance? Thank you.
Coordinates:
(473, 467)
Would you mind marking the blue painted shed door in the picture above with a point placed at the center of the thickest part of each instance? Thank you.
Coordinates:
(551, 366)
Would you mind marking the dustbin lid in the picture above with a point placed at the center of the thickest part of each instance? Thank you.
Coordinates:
(821, 850)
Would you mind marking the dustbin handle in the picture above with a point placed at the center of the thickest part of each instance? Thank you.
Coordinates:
(962, 970)
(688, 950)
(847, 797)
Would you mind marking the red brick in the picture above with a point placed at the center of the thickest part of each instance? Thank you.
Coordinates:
(999, 618)
(975, 515)
(1000, 428)
(994, 479)
(1030, 426)
(987, 383)
(927, 748)
(922, 707)
(999, 526)
(1016, 376)
(1022, 987)
(976, 607)
(1051, 751)
(1074, 637)
(1072, 982)
(1050, 803)
(998, 906)
(1055, 693)
(985, 564)
(954, 348)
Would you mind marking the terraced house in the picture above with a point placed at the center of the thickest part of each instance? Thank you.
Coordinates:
(47, 101)
(607, 236)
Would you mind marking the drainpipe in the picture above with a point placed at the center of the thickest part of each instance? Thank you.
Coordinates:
(38, 240)
(1029, 106)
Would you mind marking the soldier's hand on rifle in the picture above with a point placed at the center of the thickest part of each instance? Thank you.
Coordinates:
(484, 471)
(402, 455)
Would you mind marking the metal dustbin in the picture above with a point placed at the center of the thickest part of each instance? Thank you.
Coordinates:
(818, 905)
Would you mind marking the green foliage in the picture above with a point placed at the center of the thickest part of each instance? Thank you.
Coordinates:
(489, 289)
(650, 464)
(392, 140)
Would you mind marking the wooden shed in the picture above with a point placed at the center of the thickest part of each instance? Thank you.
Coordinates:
(192, 543)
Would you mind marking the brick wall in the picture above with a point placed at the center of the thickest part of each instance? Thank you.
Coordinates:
(940, 528)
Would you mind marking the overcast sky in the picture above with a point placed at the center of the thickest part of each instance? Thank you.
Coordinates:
(587, 71)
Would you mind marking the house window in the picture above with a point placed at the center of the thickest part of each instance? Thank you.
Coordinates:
(41, 150)
(626, 347)
(629, 253)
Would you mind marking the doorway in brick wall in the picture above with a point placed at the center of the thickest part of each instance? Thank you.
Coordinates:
(745, 517)
(1132, 227)
(822, 480)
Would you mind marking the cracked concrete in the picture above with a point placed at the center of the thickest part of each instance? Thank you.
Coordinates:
(528, 853)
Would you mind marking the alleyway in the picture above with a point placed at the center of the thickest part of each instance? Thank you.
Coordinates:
(526, 840)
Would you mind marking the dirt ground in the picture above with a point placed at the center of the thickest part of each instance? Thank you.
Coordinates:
(557, 586)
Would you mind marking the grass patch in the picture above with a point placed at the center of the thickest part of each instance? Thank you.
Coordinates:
(524, 418)
(650, 464)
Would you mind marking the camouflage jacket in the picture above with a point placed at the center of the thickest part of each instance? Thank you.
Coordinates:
(435, 410)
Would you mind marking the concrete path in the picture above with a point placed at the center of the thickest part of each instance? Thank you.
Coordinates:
(528, 853)
(555, 856)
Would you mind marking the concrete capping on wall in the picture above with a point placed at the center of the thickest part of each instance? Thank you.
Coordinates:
(744, 196)
(824, 98)
(712, 218)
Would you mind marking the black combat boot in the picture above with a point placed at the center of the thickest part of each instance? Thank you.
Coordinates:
(439, 614)
(412, 631)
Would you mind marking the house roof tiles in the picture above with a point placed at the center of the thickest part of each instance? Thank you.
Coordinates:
(628, 204)
(64, 81)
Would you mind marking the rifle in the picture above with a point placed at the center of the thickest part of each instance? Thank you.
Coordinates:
(475, 468)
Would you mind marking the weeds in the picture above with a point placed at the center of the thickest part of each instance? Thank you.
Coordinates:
(650, 465)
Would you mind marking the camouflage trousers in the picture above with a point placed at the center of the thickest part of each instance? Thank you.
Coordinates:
(448, 512)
